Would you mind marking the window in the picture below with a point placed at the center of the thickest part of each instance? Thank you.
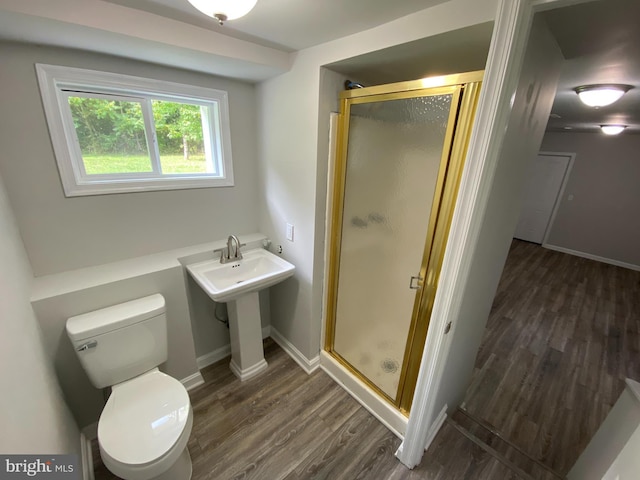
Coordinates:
(115, 133)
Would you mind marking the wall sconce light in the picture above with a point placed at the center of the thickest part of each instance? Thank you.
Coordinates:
(612, 129)
(601, 95)
(223, 10)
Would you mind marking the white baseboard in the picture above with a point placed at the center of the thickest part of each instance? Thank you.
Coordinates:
(577, 253)
(213, 357)
(222, 352)
(435, 427)
(90, 431)
(193, 381)
(86, 454)
(433, 431)
(399, 450)
(266, 331)
(307, 365)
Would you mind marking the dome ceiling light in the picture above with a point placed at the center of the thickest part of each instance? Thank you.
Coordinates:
(223, 10)
(600, 95)
(612, 129)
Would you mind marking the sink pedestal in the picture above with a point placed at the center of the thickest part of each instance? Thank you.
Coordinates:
(237, 283)
(245, 330)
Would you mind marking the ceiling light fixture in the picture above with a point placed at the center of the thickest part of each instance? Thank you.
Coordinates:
(223, 10)
(601, 95)
(612, 129)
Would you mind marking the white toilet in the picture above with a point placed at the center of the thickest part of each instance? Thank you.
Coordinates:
(145, 426)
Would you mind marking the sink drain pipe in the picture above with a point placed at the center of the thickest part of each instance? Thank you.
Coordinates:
(224, 318)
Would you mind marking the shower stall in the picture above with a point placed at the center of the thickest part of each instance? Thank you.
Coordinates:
(399, 155)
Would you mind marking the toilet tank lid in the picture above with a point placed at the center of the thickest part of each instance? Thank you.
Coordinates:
(115, 317)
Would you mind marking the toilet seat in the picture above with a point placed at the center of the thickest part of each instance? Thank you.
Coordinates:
(145, 425)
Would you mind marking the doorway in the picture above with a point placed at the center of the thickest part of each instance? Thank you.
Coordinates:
(482, 232)
(558, 345)
(546, 179)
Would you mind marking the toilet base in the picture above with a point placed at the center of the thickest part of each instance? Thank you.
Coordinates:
(180, 470)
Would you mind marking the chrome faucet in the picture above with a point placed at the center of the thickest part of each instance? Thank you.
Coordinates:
(236, 255)
(229, 254)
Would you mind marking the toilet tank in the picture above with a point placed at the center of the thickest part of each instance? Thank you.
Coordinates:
(118, 343)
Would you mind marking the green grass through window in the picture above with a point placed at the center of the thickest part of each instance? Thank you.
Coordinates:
(100, 164)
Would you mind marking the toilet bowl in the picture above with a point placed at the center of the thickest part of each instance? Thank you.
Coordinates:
(146, 423)
(146, 438)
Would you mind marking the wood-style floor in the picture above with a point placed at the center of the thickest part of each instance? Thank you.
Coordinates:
(562, 336)
(286, 424)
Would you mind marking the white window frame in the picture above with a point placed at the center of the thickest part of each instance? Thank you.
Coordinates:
(57, 83)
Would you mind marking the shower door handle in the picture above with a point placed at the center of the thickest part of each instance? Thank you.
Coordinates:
(416, 282)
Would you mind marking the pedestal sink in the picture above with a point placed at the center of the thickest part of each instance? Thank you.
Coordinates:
(237, 283)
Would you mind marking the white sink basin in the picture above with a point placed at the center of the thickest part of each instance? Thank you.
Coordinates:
(224, 282)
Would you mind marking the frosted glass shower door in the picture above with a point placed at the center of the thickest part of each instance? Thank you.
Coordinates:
(396, 157)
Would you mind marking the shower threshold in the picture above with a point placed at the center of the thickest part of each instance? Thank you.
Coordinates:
(386, 413)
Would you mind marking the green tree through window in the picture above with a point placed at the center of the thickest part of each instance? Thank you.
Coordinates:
(116, 133)
(178, 127)
(112, 138)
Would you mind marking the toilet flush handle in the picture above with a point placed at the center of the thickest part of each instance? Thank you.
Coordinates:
(87, 346)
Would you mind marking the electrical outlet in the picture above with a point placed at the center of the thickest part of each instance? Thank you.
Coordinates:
(289, 232)
(279, 249)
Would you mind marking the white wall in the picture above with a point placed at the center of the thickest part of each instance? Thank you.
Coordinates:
(63, 234)
(331, 84)
(627, 465)
(209, 334)
(35, 418)
(85, 401)
(293, 143)
(602, 218)
(612, 453)
(530, 111)
(115, 29)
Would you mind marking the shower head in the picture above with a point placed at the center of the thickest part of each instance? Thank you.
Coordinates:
(349, 85)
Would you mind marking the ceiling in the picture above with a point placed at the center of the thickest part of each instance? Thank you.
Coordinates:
(462, 50)
(254, 48)
(291, 25)
(600, 41)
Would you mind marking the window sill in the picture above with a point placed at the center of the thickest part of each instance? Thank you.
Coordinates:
(109, 187)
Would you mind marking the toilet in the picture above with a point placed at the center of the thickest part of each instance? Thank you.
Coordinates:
(145, 425)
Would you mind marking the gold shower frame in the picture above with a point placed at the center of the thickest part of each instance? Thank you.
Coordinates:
(465, 91)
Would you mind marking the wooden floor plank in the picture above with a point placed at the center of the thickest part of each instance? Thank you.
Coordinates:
(289, 425)
(329, 453)
(562, 336)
